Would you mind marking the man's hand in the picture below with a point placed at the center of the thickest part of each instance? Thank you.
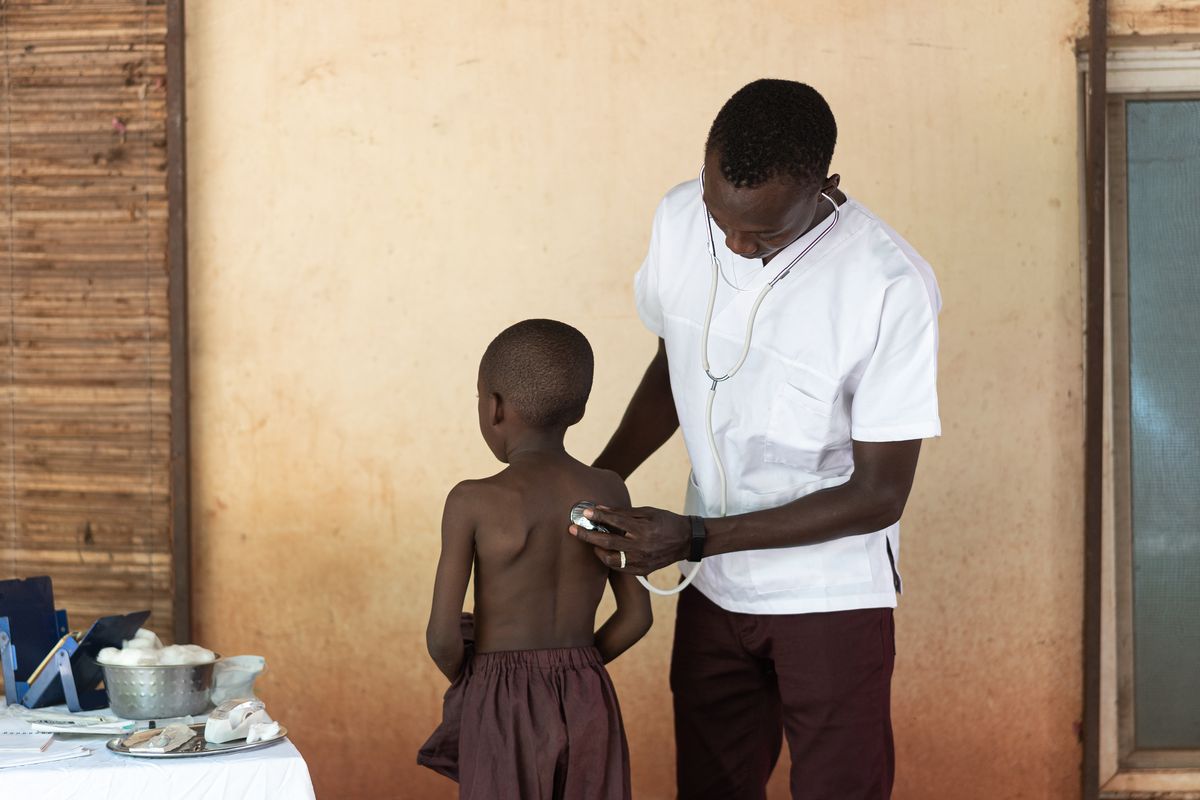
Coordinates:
(650, 537)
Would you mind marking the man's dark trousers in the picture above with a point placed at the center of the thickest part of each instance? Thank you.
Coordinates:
(742, 681)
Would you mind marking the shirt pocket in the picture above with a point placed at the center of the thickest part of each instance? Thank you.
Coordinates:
(806, 431)
(693, 502)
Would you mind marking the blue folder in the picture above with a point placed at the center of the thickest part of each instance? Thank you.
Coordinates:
(44, 665)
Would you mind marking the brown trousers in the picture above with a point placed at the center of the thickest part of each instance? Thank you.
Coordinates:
(742, 681)
(541, 725)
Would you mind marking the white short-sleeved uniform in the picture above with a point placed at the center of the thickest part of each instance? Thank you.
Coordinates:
(845, 347)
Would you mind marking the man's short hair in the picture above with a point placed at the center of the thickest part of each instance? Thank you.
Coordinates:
(773, 129)
(543, 370)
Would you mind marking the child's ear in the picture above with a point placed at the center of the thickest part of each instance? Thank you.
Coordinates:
(496, 408)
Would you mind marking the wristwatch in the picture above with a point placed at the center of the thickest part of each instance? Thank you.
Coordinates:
(698, 536)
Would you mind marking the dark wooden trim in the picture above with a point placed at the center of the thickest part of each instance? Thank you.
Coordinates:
(178, 302)
(1124, 40)
(1093, 458)
(1121, 547)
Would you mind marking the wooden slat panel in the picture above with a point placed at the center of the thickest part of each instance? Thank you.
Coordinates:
(8, 519)
(85, 359)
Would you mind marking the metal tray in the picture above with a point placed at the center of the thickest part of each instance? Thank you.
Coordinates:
(206, 748)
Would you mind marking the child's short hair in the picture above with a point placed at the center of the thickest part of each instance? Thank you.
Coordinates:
(543, 370)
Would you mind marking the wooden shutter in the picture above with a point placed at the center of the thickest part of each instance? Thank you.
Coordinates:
(92, 416)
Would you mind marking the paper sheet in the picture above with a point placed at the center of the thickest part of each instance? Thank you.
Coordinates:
(56, 751)
(19, 737)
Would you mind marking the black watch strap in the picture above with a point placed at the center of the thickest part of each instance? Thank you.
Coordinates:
(698, 537)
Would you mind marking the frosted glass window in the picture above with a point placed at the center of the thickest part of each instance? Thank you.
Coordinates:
(1163, 152)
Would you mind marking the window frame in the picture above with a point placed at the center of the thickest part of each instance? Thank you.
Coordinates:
(1119, 450)
(1138, 68)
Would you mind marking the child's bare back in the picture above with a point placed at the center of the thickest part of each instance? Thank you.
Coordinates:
(536, 588)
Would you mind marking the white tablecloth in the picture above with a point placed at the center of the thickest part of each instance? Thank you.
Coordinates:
(277, 772)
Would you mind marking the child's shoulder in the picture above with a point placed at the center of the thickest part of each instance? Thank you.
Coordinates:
(610, 486)
(473, 490)
(492, 492)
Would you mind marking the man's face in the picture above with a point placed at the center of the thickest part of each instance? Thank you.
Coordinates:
(760, 222)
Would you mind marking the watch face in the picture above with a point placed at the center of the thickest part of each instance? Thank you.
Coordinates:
(698, 536)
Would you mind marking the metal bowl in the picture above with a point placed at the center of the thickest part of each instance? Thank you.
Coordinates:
(160, 691)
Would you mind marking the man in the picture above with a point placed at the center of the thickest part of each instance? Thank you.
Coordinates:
(814, 443)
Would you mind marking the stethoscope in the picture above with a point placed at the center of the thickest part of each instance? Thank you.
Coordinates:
(577, 512)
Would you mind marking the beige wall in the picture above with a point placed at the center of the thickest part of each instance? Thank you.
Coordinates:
(376, 189)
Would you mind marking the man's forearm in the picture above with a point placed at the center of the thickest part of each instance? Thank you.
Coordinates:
(871, 500)
(648, 422)
(845, 510)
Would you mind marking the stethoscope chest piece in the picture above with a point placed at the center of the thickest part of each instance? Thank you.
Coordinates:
(577, 517)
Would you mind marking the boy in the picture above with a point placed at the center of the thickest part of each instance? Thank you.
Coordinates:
(533, 712)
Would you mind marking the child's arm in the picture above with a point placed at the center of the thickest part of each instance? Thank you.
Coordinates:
(633, 616)
(629, 622)
(443, 635)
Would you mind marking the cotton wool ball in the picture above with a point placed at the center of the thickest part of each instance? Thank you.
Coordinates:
(173, 655)
(199, 655)
(185, 654)
(108, 655)
(189, 654)
(135, 658)
(146, 658)
(148, 635)
(144, 639)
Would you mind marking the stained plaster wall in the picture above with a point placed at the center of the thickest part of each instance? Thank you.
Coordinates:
(375, 192)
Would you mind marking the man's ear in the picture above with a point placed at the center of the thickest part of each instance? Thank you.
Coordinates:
(831, 183)
(495, 408)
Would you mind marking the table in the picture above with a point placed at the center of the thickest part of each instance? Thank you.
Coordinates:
(277, 772)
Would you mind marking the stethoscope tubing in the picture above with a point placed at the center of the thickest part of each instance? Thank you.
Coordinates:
(717, 380)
